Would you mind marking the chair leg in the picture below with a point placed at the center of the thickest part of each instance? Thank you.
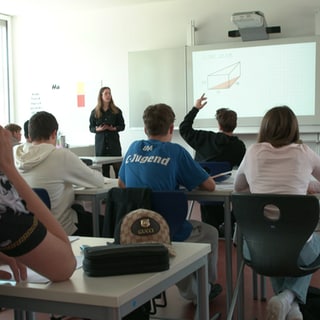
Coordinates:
(216, 316)
(190, 210)
(263, 288)
(154, 304)
(236, 292)
(255, 285)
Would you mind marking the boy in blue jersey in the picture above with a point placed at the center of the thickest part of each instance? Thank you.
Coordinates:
(161, 165)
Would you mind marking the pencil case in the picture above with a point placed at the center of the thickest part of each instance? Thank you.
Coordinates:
(110, 260)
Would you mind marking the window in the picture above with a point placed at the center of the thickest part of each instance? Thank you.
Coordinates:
(4, 71)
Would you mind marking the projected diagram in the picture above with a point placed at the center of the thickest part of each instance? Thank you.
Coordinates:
(224, 78)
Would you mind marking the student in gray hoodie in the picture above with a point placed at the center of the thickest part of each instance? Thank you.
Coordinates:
(56, 169)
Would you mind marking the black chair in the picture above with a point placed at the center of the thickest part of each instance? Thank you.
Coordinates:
(43, 195)
(119, 202)
(274, 244)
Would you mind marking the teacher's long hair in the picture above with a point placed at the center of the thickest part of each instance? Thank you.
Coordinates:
(98, 108)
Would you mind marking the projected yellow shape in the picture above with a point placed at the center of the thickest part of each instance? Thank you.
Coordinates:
(224, 78)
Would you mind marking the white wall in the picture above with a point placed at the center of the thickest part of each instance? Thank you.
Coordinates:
(92, 46)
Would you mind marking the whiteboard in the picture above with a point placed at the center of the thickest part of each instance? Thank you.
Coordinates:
(253, 76)
(157, 76)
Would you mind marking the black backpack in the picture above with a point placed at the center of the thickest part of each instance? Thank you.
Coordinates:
(311, 310)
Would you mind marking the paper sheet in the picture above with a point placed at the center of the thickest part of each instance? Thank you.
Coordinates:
(34, 277)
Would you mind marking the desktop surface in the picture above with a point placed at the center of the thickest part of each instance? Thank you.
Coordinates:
(105, 294)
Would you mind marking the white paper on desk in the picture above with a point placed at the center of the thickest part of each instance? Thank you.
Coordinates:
(73, 238)
(34, 277)
(227, 173)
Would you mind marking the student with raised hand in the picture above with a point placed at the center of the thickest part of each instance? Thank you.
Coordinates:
(106, 121)
(280, 163)
(213, 146)
(209, 145)
(161, 165)
(40, 231)
(43, 165)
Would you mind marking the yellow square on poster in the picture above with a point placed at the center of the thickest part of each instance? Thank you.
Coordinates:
(80, 87)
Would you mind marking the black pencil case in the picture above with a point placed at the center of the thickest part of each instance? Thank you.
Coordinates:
(110, 260)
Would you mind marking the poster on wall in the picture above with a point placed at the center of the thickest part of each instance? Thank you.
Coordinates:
(71, 102)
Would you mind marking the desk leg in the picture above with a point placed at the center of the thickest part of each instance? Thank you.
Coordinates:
(228, 249)
(96, 207)
(241, 306)
(202, 311)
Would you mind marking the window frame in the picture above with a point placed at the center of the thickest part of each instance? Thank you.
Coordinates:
(6, 96)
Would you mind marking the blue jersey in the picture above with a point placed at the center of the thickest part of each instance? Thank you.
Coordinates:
(161, 166)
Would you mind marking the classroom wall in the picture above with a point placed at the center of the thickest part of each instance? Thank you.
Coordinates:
(60, 55)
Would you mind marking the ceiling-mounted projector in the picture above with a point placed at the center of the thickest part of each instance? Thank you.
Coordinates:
(252, 25)
(253, 19)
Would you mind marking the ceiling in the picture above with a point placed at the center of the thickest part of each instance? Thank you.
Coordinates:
(16, 7)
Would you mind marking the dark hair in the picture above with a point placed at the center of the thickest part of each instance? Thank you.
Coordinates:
(41, 125)
(227, 119)
(26, 129)
(279, 127)
(157, 119)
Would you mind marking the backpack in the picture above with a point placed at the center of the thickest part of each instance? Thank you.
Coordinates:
(311, 310)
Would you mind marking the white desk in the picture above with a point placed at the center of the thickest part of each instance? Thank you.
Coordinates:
(103, 160)
(222, 193)
(97, 162)
(110, 297)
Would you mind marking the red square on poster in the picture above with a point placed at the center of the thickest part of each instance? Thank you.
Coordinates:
(81, 100)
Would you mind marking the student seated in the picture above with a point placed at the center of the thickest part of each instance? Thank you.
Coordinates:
(213, 146)
(280, 163)
(28, 230)
(159, 164)
(57, 170)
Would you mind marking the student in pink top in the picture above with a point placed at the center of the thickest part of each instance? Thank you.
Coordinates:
(280, 163)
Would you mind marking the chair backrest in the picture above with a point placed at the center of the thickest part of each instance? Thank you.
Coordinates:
(275, 244)
(216, 167)
(43, 195)
(173, 206)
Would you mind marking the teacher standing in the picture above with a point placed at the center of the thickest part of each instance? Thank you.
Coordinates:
(106, 121)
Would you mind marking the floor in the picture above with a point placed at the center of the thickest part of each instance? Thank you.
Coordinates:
(178, 308)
